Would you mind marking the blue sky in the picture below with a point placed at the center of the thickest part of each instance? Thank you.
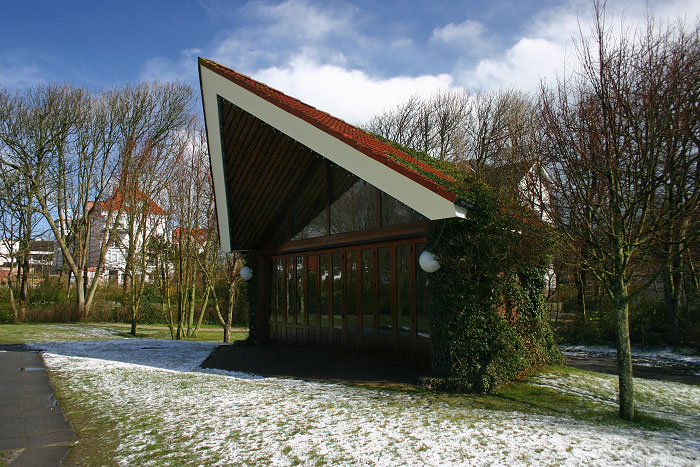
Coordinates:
(352, 59)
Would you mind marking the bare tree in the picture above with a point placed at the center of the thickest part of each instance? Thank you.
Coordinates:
(399, 125)
(20, 218)
(152, 119)
(229, 268)
(681, 119)
(220, 269)
(479, 132)
(190, 197)
(71, 146)
(433, 125)
(76, 179)
(448, 112)
(607, 141)
(10, 219)
(37, 129)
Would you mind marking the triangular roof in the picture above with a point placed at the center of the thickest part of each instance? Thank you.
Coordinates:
(230, 99)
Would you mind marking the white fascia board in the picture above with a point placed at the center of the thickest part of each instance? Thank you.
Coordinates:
(216, 157)
(425, 201)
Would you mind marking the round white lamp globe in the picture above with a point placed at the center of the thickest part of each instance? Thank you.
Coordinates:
(246, 273)
(427, 262)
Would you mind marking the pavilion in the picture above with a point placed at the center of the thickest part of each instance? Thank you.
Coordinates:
(337, 219)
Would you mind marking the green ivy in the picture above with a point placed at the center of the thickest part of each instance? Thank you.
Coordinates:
(487, 312)
(464, 185)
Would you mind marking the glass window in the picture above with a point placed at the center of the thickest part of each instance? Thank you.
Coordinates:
(384, 275)
(325, 286)
(351, 290)
(422, 297)
(312, 286)
(291, 301)
(337, 290)
(281, 303)
(316, 228)
(301, 298)
(274, 299)
(353, 203)
(403, 289)
(367, 290)
(395, 212)
(308, 214)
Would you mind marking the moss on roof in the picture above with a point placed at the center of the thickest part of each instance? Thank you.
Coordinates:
(463, 183)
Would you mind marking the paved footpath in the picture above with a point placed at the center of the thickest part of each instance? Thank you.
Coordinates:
(33, 430)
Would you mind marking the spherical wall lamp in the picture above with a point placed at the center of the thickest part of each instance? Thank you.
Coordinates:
(427, 262)
(246, 273)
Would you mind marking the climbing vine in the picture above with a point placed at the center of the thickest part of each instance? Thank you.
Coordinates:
(487, 311)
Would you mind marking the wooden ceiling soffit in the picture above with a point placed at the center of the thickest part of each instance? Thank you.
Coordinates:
(266, 171)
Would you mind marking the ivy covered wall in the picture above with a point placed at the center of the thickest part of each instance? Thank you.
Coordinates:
(487, 308)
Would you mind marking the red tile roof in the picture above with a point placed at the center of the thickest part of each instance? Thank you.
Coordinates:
(349, 134)
(116, 200)
(200, 235)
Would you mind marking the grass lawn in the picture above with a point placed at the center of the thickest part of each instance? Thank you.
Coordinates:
(146, 402)
(22, 333)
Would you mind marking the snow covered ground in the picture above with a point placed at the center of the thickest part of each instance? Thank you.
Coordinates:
(168, 411)
(660, 357)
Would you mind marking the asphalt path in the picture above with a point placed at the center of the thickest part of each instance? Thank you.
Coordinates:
(33, 430)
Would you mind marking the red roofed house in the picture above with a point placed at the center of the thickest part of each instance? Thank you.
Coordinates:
(115, 257)
(337, 219)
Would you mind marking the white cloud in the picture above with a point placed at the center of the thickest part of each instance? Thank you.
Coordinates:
(521, 67)
(348, 94)
(464, 34)
(276, 33)
(330, 56)
(547, 45)
(300, 20)
(182, 69)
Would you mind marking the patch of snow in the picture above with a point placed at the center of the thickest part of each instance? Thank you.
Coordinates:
(92, 331)
(158, 353)
(665, 399)
(658, 357)
(169, 411)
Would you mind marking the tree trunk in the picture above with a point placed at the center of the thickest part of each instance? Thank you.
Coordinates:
(84, 287)
(134, 321)
(190, 310)
(203, 310)
(581, 281)
(227, 333)
(70, 272)
(13, 305)
(624, 350)
(135, 293)
(80, 297)
(166, 308)
(180, 307)
(24, 288)
(672, 278)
